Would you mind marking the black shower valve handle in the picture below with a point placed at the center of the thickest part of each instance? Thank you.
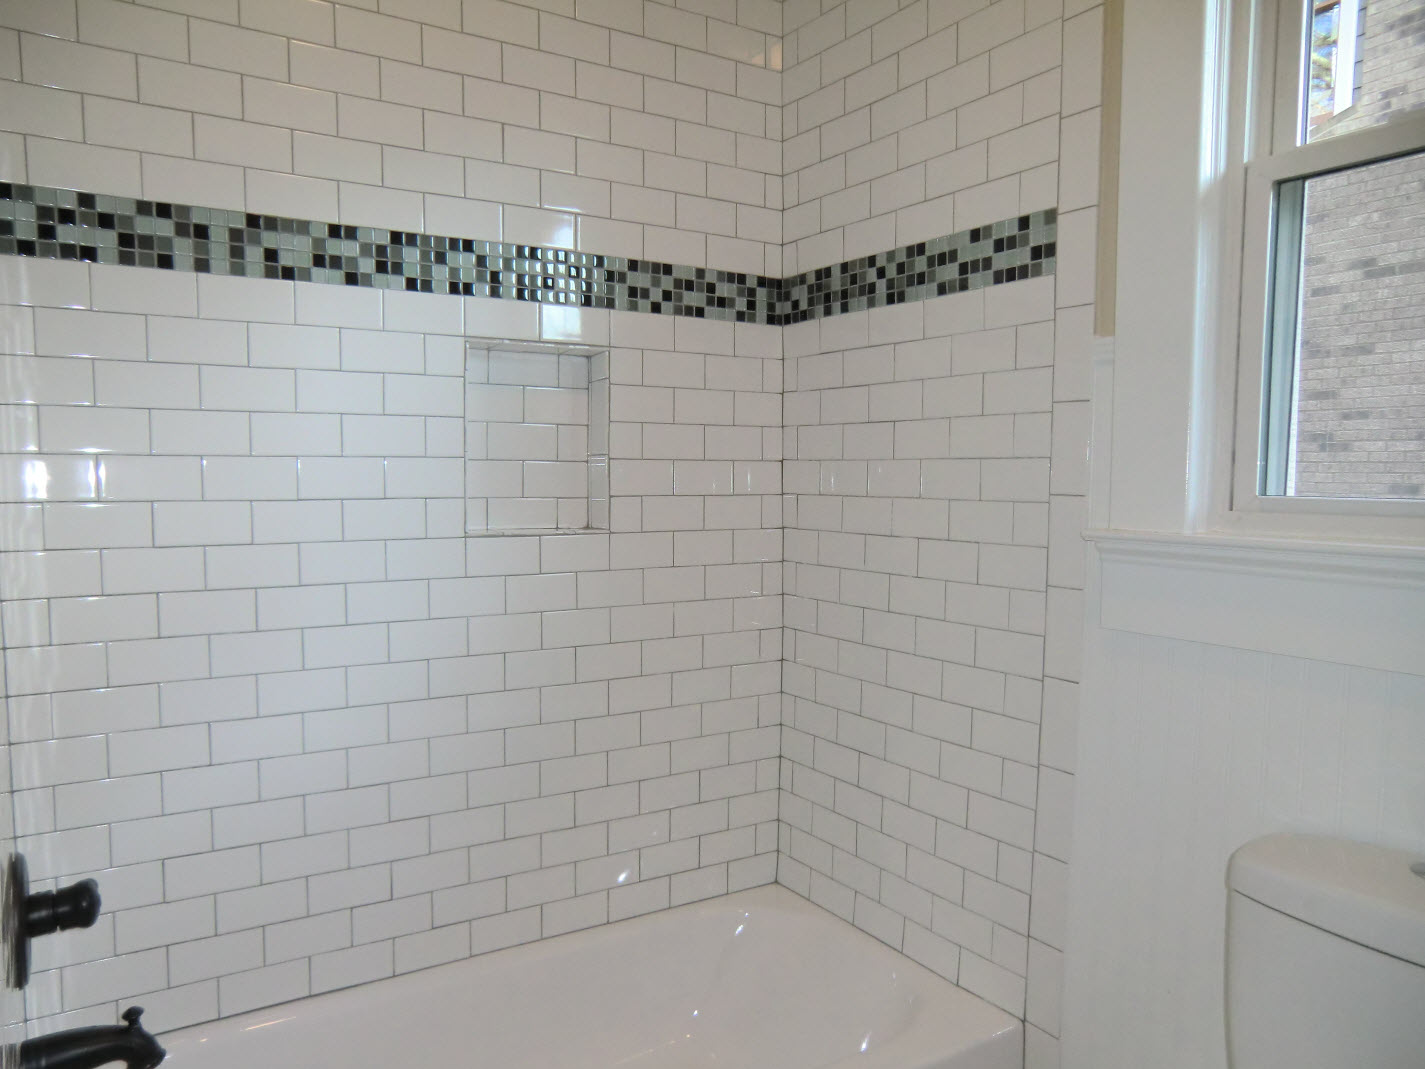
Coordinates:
(75, 906)
(27, 915)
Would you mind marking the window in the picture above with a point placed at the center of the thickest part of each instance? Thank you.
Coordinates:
(1331, 59)
(1331, 415)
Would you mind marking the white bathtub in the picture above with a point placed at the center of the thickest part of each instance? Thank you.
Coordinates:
(756, 980)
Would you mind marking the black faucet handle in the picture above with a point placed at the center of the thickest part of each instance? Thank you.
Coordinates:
(132, 1015)
(75, 906)
(29, 915)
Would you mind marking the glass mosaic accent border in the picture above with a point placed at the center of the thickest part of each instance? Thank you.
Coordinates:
(66, 224)
(990, 255)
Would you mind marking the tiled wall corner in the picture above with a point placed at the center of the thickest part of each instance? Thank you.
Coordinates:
(936, 473)
(364, 743)
(901, 120)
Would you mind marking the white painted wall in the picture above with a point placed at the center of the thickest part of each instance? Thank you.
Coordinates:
(1186, 751)
(1231, 687)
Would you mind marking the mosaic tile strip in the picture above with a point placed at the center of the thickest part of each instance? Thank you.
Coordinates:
(65, 224)
(990, 255)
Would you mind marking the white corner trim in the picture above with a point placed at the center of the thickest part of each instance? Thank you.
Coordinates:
(1101, 353)
(1357, 604)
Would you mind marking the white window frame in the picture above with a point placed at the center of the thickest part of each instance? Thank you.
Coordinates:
(1266, 84)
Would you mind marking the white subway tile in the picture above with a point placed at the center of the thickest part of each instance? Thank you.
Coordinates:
(306, 20)
(461, 52)
(290, 195)
(372, 206)
(214, 44)
(418, 86)
(182, 340)
(138, 126)
(334, 69)
(75, 166)
(193, 523)
(1083, 60)
(337, 306)
(247, 389)
(365, 31)
(81, 67)
(191, 181)
(251, 300)
(281, 104)
(212, 92)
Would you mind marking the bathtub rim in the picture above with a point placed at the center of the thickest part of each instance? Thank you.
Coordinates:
(770, 895)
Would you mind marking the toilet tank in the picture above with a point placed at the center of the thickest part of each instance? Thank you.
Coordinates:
(1325, 956)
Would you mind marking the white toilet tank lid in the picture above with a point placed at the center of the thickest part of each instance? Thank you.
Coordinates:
(1363, 893)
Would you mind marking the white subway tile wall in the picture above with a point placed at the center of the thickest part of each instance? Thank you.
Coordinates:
(903, 120)
(935, 464)
(306, 731)
(620, 127)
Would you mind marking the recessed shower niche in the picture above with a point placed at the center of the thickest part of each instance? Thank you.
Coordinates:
(536, 437)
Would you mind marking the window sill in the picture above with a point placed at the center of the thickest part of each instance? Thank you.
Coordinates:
(1352, 603)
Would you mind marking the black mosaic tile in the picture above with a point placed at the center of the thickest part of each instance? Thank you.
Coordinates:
(65, 224)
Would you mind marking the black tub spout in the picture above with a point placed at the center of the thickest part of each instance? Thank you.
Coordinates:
(88, 1048)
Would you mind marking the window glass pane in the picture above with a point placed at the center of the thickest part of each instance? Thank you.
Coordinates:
(1365, 63)
(1349, 324)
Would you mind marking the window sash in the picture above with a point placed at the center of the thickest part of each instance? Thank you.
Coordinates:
(1270, 305)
